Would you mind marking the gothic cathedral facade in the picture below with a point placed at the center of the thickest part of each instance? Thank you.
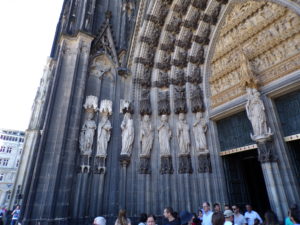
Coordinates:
(152, 103)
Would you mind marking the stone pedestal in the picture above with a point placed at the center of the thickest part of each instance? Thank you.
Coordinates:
(166, 166)
(185, 164)
(145, 166)
(204, 164)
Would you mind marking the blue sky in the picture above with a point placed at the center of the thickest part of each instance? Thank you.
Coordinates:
(27, 32)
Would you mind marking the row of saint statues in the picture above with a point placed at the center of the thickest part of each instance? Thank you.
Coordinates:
(146, 135)
(255, 112)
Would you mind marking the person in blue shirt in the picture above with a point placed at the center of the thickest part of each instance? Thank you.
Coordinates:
(15, 215)
(295, 216)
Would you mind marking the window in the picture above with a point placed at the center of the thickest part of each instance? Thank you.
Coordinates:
(4, 162)
(2, 149)
(1, 176)
(8, 195)
(8, 149)
(18, 162)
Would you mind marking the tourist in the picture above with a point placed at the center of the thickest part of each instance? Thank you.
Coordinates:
(251, 215)
(217, 207)
(143, 219)
(217, 218)
(151, 220)
(186, 218)
(99, 221)
(170, 217)
(15, 215)
(295, 216)
(207, 214)
(200, 215)
(2, 215)
(122, 219)
(271, 218)
(238, 218)
(226, 207)
(287, 220)
(196, 220)
(228, 214)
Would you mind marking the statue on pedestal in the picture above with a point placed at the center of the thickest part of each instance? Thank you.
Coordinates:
(87, 135)
(146, 137)
(257, 116)
(200, 128)
(127, 134)
(164, 136)
(183, 135)
(104, 128)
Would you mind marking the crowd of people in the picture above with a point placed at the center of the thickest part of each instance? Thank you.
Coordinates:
(8, 217)
(230, 216)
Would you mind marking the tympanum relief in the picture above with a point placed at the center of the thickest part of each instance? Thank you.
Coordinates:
(268, 34)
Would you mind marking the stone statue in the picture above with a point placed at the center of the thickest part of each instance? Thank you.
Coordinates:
(164, 136)
(200, 128)
(146, 136)
(127, 134)
(87, 135)
(183, 135)
(257, 116)
(104, 130)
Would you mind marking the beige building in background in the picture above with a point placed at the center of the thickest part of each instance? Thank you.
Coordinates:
(11, 147)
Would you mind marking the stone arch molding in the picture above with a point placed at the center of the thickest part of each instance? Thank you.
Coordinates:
(266, 32)
(177, 40)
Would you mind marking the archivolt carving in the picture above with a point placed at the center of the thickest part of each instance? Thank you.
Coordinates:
(180, 100)
(179, 78)
(145, 104)
(197, 104)
(199, 4)
(268, 34)
(163, 103)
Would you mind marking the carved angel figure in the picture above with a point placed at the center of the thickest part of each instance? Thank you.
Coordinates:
(164, 136)
(103, 137)
(87, 135)
(183, 135)
(146, 136)
(200, 128)
(127, 134)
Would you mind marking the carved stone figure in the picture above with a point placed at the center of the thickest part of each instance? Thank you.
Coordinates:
(257, 116)
(200, 128)
(87, 135)
(104, 130)
(127, 134)
(163, 103)
(146, 136)
(164, 136)
(145, 104)
(183, 135)
(180, 100)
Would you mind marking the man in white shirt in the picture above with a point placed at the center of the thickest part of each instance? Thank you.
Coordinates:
(251, 215)
(228, 214)
(207, 214)
(239, 219)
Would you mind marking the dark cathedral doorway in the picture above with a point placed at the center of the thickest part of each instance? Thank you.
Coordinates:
(294, 149)
(245, 181)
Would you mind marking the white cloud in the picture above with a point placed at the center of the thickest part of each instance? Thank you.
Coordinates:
(27, 32)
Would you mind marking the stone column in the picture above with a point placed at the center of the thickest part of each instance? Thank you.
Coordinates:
(48, 197)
